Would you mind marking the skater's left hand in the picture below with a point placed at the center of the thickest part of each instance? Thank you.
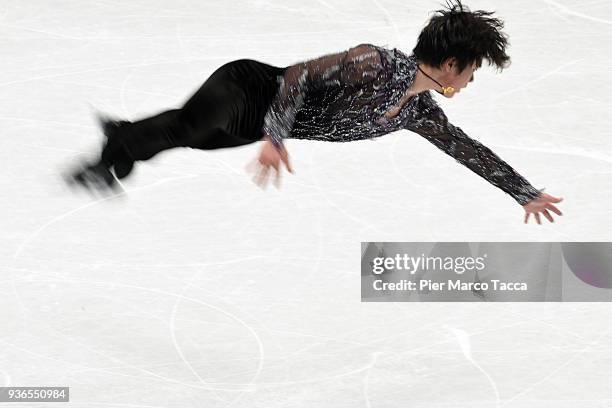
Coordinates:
(542, 204)
(269, 156)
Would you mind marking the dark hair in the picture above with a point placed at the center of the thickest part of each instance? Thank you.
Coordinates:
(468, 36)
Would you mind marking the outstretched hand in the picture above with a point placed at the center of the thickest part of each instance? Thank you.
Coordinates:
(542, 204)
(269, 156)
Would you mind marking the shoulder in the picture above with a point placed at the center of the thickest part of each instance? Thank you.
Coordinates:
(375, 56)
(364, 51)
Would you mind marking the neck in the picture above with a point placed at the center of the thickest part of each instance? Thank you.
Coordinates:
(422, 83)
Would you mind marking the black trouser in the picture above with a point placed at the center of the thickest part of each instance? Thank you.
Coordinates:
(227, 111)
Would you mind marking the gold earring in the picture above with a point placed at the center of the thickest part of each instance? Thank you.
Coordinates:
(448, 90)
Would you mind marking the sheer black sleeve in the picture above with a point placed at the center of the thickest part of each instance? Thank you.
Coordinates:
(431, 123)
(353, 67)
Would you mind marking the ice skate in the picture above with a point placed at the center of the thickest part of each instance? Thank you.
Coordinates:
(94, 178)
(123, 163)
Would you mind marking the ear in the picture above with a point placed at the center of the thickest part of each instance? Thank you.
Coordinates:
(450, 64)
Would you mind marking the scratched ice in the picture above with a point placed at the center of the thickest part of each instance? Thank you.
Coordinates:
(198, 289)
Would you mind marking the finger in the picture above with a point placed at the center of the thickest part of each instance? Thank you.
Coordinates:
(556, 199)
(547, 215)
(272, 177)
(263, 181)
(257, 175)
(262, 176)
(273, 168)
(537, 217)
(527, 217)
(257, 169)
(277, 180)
(289, 168)
(554, 209)
(285, 159)
(266, 178)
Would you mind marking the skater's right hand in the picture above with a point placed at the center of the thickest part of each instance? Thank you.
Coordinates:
(269, 156)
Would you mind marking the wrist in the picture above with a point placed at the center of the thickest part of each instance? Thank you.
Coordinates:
(527, 199)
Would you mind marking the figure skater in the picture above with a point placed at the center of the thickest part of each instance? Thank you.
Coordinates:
(364, 92)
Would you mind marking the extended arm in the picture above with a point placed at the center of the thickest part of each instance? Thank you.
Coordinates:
(352, 67)
(431, 123)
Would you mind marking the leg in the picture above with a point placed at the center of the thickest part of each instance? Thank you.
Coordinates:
(128, 142)
(133, 141)
(210, 119)
(226, 111)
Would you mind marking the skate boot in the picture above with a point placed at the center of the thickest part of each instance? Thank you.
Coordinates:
(94, 177)
(122, 161)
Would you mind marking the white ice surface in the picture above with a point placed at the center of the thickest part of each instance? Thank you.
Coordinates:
(199, 289)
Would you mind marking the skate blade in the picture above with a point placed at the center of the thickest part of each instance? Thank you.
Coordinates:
(94, 184)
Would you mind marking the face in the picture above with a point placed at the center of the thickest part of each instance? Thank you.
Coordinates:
(457, 80)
